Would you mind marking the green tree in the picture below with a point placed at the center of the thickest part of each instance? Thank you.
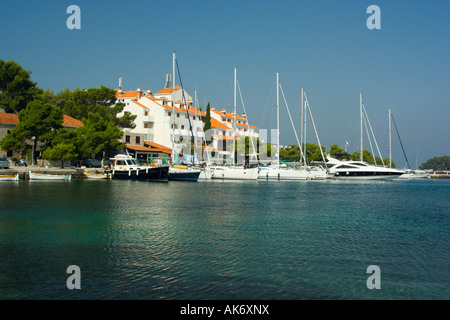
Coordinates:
(98, 135)
(313, 152)
(291, 153)
(436, 163)
(338, 153)
(207, 125)
(40, 120)
(369, 158)
(60, 152)
(16, 88)
(79, 103)
(63, 146)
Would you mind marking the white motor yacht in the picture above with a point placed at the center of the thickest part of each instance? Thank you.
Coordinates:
(359, 170)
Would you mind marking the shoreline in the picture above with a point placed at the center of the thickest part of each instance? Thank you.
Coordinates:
(78, 173)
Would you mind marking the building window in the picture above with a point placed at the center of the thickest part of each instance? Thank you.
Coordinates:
(146, 113)
(178, 115)
(138, 140)
(146, 125)
(169, 114)
(127, 139)
(182, 127)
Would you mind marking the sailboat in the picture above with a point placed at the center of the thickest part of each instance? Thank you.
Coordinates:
(314, 172)
(409, 173)
(274, 172)
(181, 172)
(234, 172)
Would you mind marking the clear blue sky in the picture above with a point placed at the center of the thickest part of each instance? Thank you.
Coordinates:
(323, 46)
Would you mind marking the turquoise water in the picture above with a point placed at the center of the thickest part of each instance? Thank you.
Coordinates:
(224, 240)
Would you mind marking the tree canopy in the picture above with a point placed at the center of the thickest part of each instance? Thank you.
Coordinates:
(16, 87)
(79, 103)
(41, 113)
(436, 163)
(40, 120)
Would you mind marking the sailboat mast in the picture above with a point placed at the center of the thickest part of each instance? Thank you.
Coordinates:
(304, 126)
(390, 140)
(278, 120)
(301, 130)
(173, 107)
(361, 124)
(234, 116)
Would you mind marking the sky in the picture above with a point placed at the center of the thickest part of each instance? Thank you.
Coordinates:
(323, 46)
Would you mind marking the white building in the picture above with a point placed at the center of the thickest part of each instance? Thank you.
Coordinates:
(165, 120)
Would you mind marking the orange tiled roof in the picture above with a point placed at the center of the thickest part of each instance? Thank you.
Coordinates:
(166, 106)
(11, 118)
(138, 148)
(168, 90)
(218, 125)
(196, 111)
(157, 146)
(229, 115)
(140, 104)
(127, 94)
(191, 110)
(71, 122)
(8, 118)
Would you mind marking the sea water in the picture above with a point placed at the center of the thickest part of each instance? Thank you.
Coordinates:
(277, 240)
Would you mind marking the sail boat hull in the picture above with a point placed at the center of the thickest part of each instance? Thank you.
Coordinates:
(280, 174)
(234, 173)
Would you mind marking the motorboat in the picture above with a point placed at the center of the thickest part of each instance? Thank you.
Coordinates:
(47, 176)
(359, 170)
(124, 167)
(183, 173)
(414, 174)
(97, 175)
(9, 177)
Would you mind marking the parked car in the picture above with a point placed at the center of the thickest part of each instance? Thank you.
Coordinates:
(4, 163)
(20, 163)
(91, 163)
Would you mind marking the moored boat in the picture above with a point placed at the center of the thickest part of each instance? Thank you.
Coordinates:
(183, 173)
(276, 173)
(47, 176)
(9, 177)
(124, 167)
(205, 173)
(234, 173)
(96, 175)
(360, 170)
